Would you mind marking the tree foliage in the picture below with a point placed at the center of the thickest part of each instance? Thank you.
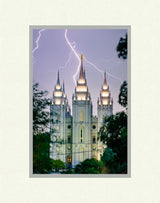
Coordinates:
(111, 131)
(58, 164)
(122, 98)
(41, 161)
(114, 133)
(114, 130)
(122, 48)
(41, 137)
(109, 158)
(40, 113)
(90, 166)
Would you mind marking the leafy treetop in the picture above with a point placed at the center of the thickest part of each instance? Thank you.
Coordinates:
(122, 48)
(40, 113)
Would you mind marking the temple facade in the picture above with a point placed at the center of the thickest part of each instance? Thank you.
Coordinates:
(74, 137)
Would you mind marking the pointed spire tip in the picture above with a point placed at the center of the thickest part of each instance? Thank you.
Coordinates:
(105, 81)
(58, 81)
(63, 87)
(81, 57)
(81, 75)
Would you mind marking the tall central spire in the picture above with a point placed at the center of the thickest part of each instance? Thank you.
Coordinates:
(105, 81)
(81, 75)
(81, 90)
(58, 82)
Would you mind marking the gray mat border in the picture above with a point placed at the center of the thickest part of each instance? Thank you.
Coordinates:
(31, 175)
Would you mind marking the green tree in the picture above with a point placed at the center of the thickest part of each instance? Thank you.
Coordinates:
(111, 130)
(114, 133)
(90, 166)
(40, 113)
(41, 161)
(41, 136)
(122, 98)
(122, 48)
(114, 130)
(109, 158)
(58, 164)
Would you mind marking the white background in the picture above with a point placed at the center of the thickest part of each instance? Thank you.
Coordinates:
(15, 184)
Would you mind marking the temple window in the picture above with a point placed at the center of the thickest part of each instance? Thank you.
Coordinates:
(94, 139)
(81, 136)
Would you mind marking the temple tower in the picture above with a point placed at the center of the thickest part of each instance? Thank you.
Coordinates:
(104, 108)
(59, 112)
(104, 103)
(82, 113)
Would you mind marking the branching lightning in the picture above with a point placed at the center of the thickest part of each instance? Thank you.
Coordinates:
(99, 70)
(75, 53)
(87, 61)
(72, 45)
(90, 63)
(37, 40)
(69, 58)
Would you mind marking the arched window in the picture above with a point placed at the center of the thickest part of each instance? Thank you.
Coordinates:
(81, 137)
(81, 115)
(94, 139)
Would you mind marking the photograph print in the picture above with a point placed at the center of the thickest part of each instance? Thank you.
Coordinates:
(79, 100)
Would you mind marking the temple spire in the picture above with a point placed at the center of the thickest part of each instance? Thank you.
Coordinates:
(63, 87)
(81, 75)
(58, 82)
(105, 81)
(84, 74)
(81, 89)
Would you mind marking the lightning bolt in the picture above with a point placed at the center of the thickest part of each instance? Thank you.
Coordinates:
(37, 40)
(90, 63)
(75, 53)
(87, 61)
(99, 70)
(69, 58)
(72, 45)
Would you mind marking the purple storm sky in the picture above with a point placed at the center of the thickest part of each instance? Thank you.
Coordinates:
(97, 45)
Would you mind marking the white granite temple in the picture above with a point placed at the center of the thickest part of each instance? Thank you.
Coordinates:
(75, 136)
